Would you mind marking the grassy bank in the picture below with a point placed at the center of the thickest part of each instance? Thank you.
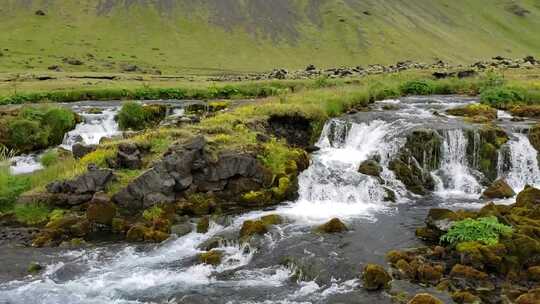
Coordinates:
(237, 129)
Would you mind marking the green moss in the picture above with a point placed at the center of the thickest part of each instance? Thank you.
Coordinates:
(256, 197)
(375, 277)
(250, 228)
(153, 213)
(272, 219)
(202, 204)
(211, 257)
(335, 225)
(203, 224)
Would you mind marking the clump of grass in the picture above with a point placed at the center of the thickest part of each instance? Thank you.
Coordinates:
(501, 97)
(31, 214)
(277, 156)
(11, 187)
(417, 87)
(49, 158)
(486, 230)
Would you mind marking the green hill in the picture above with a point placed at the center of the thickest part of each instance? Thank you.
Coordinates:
(210, 36)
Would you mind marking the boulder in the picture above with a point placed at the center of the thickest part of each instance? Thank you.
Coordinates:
(212, 257)
(101, 210)
(250, 228)
(203, 224)
(136, 233)
(371, 168)
(424, 298)
(335, 225)
(441, 219)
(94, 180)
(499, 189)
(375, 277)
(79, 150)
(528, 198)
(531, 297)
(411, 174)
(181, 229)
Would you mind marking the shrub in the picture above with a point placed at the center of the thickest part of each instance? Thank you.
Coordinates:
(500, 97)
(59, 121)
(132, 116)
(11, 187)
(27, 135)
(486, 230)
(417, 87)
(49, 158)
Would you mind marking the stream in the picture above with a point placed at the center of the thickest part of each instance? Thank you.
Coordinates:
(291, 263)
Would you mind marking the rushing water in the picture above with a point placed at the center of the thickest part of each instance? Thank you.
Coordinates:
(290, 264)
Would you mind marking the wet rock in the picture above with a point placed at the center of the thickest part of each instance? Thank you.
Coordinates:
(534, 136)
(531, 297)
(335, 225)
(34, 268)
(424, 298)
(425, 146)
(203, 224)
(136, 233)
(528, 198)
(475, 112)
(129, 156)
(80, 150)
(499, 189)
(250, 228)
(101, 210)
(375, 277)
(295, 129)
(212, 257)
(465, 297)
(94, 180)
(370, 167)
(534, 273)
(272, 219)
(409, 172)
(441, 219)
(181, 229)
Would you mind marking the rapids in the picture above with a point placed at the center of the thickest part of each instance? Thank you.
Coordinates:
(291, 263)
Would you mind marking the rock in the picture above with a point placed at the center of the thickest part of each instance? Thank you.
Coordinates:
(80, 150)
(40, 13)
(411, 174)
(465, 297)
(499, 189)
(73, 61)
(34, 268)
(296, 129)
(534, 273)
(534, 136)
(272, 219)
(424, 298)
(101, 210)
(466, 73)
(375, 277)
(469, 273)
(129, 156)
(203, 224)
(212, 257)
(531, 297)
(429, 274)
(156, 236)
(136, 233)
(528, 198)
(310, 68)
(94, 180)
(441, 219)
(181, 229)
(130, 68)
(250, 228)
(370, 167)
(335, 225)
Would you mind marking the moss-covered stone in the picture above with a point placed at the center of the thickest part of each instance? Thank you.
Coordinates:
(201, 204)
(466, 272)
(478, 113)
(534, 273)
(335, 225)
(429, 274)
(212, 257)
(118, 225)
(250, 228)
(203, 224)
(136, 233)
(534, 136)
(34, 268)
(394, 256)
(531, 297)
(256, 198)
(528, 198)
(101, 211)
(272, 219)
(428, 234)
(375, 277)
(425, 146)
(463, 297)
(441, 219)
(371, 168)
(424, 298)
(156, 236)
(408, 171)
(499, 189)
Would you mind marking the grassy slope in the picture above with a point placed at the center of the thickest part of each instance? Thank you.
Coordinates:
(184, 38)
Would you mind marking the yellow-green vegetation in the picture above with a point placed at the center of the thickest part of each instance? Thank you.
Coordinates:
(206, 37)
(31, 214)
(475, 112)
(123, 178)
(211, 257)
(135, 116)
(153, 213)
(49, 158)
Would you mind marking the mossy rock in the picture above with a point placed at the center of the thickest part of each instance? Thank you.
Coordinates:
(425, 146)
(468, 273)
(256, 198)
(34, 268)
(203, 224)
(528, 198)
(533, 273)
(250, 228)
(441, 219)
(201, 204)
(475, 112)
(118, 225)
(371, 168)
(64, 222)
(272, 219)
(499, 189)
(424, 298)
(412, 176)
(136, 233)
(394, 256)
(405, 269)
(534, 136)
(335, 225)
(101, 212)
(427, 234)
(464, 297)
(428, 274)
(531, 297)
(478, 255)
(375, 277)
(211, 257)
(156, 236)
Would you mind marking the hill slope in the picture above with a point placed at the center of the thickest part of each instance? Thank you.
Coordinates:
(234, 35)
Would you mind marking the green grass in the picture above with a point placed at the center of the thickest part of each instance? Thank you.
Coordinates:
(31, 214)
(187, 37)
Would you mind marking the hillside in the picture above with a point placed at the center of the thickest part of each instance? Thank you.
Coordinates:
(213, 36)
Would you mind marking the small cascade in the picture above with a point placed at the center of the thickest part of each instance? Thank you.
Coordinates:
(93, 128)
(332, 185)
(455, 178)
(523, 164)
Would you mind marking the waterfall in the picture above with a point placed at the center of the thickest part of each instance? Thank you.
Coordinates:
(93, 128)
(455, 178)
(523, 164)
(332, 185)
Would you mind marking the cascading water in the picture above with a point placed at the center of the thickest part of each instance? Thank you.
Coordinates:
(455, 178)
(93, 128)
(332, 185)
(523, 169)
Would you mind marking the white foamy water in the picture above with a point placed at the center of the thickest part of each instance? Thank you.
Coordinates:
(93, 128)
(332, 185)
(454, 178)
(24, 164)
(523, 163)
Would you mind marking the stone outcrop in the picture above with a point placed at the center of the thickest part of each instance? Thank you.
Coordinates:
(80, 150)
(189, 167)
(499, 189)
(129, 156)
(295, 129)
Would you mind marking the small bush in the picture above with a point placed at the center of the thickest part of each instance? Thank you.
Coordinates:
(27, 135)
(49, 158)
(59, 121)
(500, 97)
(486, 230)
(417, 87)
(132, 116)
(11, 187)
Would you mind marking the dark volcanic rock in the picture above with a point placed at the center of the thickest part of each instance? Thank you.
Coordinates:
(129, 156)
(295, 129)
(92, 181)
(79, 150)
(189, 167)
